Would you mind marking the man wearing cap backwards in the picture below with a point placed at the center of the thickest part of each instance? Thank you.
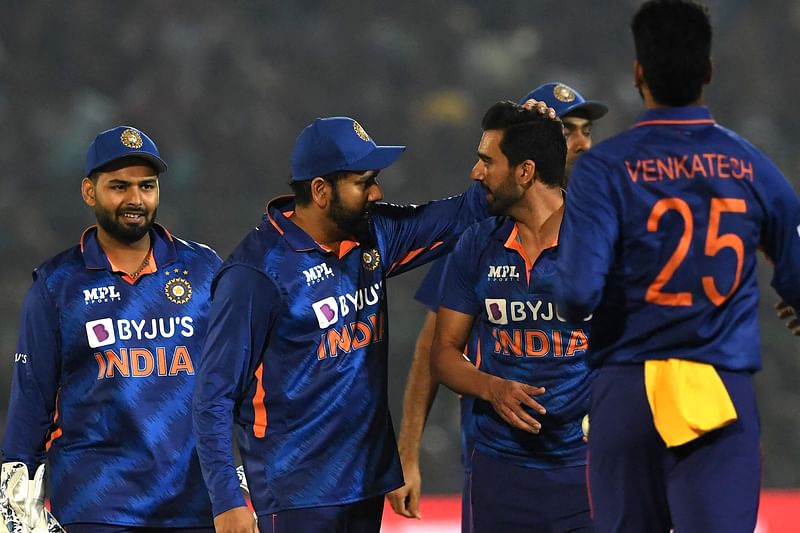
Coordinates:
(660, 236)
(297, 348)
(109, 341)
(577, 115)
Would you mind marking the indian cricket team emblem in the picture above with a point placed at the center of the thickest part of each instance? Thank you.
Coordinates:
(371, 259)
(131, 138)
(178, 290)
(563, 93)
(360, 131)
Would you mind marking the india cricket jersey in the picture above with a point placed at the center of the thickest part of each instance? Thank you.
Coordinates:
(659, 238)
(297, 355)
(102, 384)
(522, 337)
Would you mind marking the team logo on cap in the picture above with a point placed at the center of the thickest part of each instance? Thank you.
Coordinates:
(131, 138)
(563, 93)
(371, 259)
(178, 291)
(360, 131)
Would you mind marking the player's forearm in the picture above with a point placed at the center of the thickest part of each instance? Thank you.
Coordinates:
(449, 367)
(419, 394)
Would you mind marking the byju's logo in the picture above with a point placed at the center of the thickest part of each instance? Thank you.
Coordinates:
(327, 312)
(317, 273)
(503, 272)
(99, 295)
(496, 310)
(100, 332)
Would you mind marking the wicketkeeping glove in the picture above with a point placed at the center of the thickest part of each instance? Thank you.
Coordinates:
(22, 502)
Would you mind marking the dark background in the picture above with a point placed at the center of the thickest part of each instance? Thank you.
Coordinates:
(225, 87)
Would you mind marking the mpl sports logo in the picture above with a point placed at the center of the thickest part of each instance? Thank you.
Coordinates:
(99, 295)
(318, 273)
(502, 273)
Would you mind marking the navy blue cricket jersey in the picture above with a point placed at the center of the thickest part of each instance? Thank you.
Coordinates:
(523, 337)
(102, 384)
(296, 357)
(659, 238)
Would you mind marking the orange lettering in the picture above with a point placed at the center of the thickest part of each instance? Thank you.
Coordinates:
(361, 330)
(181, 362)
(534, 337)
(120, 362)
(577, 342)
(141, 362)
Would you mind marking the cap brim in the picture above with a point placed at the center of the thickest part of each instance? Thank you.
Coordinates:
(590, 109)
(157, 162)
(380, 158)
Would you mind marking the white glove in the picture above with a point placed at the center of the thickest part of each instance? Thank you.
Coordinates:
(242, 479)
(22, 502)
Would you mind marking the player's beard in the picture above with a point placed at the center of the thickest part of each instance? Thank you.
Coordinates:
(114, 225)
(352, 222)
(503, 197)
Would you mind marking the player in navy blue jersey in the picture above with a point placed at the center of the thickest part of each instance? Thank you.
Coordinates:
(296, 355)
(528, 462)
(659, 241)
(110, 337)
(577, 116)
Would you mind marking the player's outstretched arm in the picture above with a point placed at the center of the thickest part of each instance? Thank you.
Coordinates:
(417, 400)
(449, 366)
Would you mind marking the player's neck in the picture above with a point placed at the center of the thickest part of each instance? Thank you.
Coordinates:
(127, 256)
(539, 221)
(319, 227)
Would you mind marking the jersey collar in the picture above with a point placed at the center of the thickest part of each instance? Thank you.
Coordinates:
(277, 214)
(687, 116)
(95, 258)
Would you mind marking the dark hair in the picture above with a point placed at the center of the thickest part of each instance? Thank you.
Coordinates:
(302, 188)
(673, 45)
(529, 135)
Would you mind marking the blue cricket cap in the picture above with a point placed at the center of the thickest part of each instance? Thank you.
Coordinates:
(567, 101)
(332, 144)
(119, 142)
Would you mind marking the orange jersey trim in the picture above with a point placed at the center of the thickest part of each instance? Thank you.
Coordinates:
(151, 268)
(56, 433)
(697, 122)
(410, 256)
(259, 409)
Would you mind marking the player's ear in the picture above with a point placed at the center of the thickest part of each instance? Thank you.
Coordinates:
(527, 173)
(88, 191)
(638, 74)
(321, 191)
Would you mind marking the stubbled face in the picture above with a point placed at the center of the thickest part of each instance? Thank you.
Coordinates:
(495, 174)
(125, 201)
(354, 196)
(578, 134)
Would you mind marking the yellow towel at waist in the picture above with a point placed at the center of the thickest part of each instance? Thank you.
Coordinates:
(687, 399)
